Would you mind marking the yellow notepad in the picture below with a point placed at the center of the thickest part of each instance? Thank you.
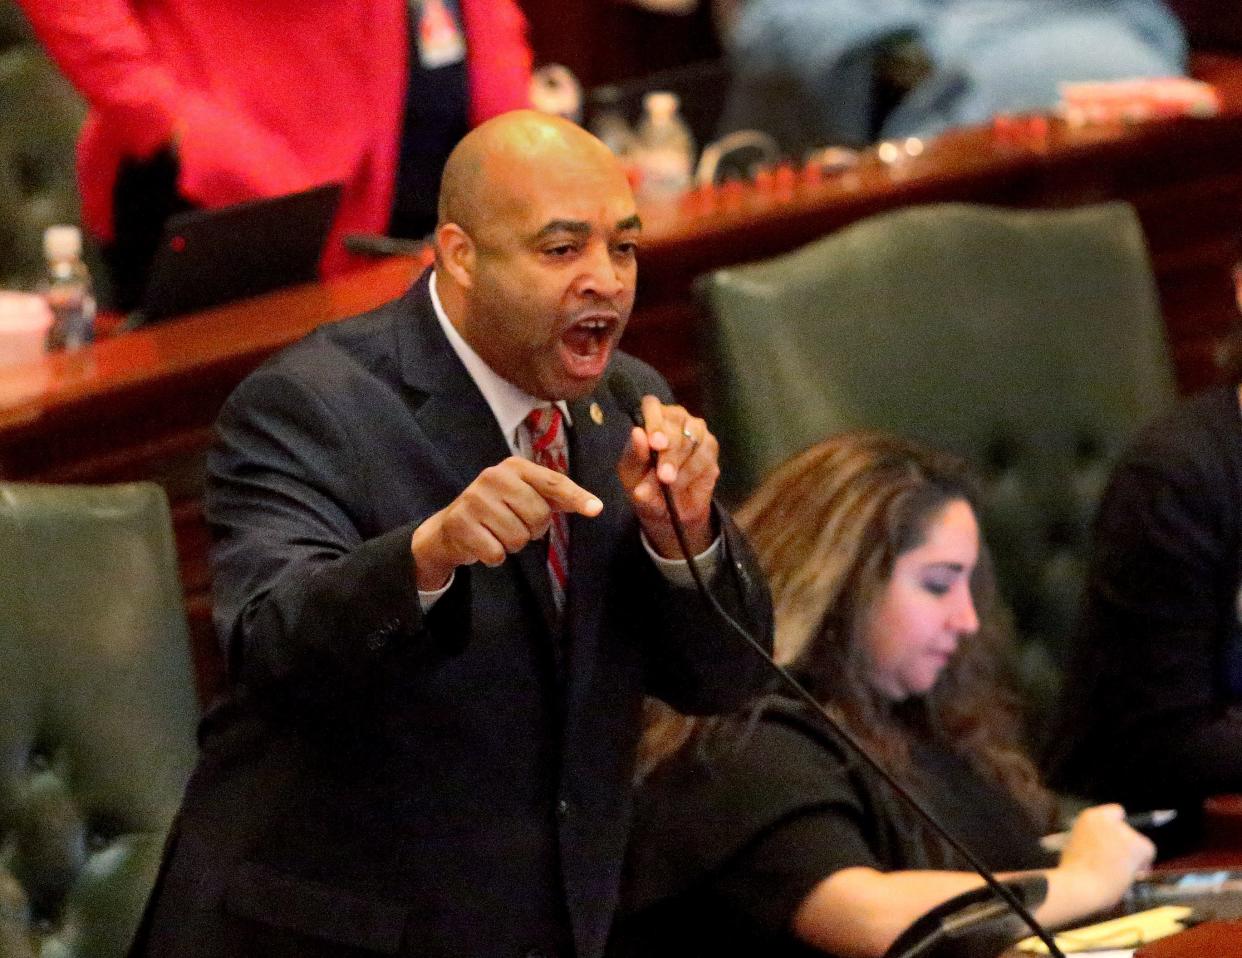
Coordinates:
(1129, 931)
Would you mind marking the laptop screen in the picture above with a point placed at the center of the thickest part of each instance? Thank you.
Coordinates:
(210, 257)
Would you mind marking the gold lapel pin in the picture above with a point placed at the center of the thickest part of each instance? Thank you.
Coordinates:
(597, 414)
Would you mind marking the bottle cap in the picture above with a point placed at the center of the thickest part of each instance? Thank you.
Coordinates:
(62, 242)
(660, 104)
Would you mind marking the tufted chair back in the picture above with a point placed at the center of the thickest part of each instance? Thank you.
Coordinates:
(97, 713)
(1030, 342)
(40, 116)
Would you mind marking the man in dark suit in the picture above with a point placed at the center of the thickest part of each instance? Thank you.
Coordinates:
(438, 641)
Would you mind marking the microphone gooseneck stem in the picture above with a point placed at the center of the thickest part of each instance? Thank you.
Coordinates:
(856, 746)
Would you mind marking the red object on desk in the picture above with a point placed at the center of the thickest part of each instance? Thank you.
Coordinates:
(1221, 843)
(1212, 939)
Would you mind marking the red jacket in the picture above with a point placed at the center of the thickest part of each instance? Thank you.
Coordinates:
(262, 96)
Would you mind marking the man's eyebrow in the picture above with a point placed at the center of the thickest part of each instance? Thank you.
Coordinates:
(573, 227)
(583, 228)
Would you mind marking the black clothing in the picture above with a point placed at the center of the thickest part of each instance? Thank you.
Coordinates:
(1151, 713)
(437, 116)
(734, 832)
(448, 785)
(144, 198)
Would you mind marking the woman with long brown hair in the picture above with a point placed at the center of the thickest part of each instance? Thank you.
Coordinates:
(761, 834)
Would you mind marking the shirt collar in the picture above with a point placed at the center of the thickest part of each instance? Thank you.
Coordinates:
(509, 404)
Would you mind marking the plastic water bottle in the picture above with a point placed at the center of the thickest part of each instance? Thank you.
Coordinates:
(609, 125)
(665, 154)
(68, 289)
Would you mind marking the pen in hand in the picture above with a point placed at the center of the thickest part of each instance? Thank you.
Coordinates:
(1139, 820)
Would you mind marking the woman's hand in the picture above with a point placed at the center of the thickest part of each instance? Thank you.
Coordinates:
(859, 912)
(1103, 855)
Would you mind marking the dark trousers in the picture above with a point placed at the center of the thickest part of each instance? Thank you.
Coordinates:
(144, 197)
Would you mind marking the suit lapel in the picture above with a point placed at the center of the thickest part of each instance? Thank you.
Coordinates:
(594, 450)
(595, 447)
(533, 563)
(459, 423)
(449, 407)
(464, 429)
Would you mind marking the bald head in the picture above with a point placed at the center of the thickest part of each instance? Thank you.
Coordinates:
(485, 174)
(536, 251)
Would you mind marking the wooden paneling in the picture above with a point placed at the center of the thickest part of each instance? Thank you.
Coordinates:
(603, 41)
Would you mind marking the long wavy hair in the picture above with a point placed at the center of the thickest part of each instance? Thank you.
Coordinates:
(828, 526)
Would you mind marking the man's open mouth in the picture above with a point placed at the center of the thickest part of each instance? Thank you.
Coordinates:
(587, 344)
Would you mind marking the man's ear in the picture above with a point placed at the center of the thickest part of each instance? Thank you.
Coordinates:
(456, 253)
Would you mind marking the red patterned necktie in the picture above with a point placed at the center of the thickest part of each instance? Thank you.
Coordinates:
(549, 449)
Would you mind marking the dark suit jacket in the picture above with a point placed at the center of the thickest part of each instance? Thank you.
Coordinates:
(1151, 713)
(380, 781)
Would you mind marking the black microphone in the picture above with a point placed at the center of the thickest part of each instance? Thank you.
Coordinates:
(630, 400)
(974, 924)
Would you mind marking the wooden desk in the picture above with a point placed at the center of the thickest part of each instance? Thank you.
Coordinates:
(1216, 939)
(1220, 846)
(141, 406)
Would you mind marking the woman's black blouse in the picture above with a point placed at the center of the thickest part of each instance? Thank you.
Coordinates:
(732, 835)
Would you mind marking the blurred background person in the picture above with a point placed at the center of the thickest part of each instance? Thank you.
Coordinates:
(1152, 707)
(762, 834)
(822, 72)
(204, 104)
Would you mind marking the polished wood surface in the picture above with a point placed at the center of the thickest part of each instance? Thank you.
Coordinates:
(1220, 843)
(1213, 939)
(141, 405)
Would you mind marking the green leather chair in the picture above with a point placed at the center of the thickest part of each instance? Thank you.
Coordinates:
(97, 713)
(40, 115)
(1029, 341)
